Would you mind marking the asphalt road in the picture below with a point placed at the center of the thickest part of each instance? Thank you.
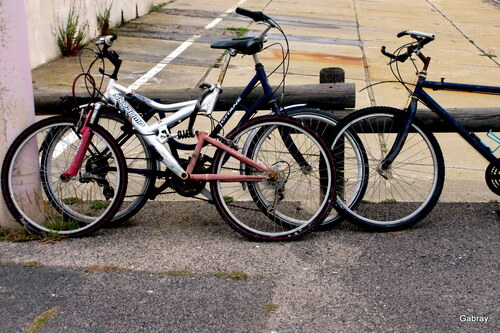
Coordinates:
(432, 278)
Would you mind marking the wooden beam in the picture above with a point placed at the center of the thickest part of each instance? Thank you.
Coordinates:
(327, 96)
(474, 119)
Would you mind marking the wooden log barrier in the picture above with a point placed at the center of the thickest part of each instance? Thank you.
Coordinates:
(474, 119)
(338, 98)
(326, 96)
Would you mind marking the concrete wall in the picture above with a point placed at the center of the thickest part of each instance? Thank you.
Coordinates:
(17, 109)
(43, 18)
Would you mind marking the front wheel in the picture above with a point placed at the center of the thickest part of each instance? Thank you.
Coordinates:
(402, 194)
(292, 204)
(348, 153)
(38, 197)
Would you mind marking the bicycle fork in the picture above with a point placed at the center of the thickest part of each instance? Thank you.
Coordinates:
(404, 125)
(87, 135)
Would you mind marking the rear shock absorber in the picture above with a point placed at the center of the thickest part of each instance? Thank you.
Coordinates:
(185, 134)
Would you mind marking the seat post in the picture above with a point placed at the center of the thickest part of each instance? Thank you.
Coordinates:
(224, 67)
(256, 58)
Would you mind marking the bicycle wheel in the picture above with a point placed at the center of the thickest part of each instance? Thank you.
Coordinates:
(407, 191)
(285, 208)
(39, 199)
(350, 190)
(141, 166)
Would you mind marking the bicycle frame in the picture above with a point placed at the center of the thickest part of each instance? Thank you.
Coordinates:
(425, 98)
(156, 134)
(159, 133)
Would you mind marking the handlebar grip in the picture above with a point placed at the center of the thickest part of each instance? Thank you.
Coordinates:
(417, 34)
(257, 16)
(387, 54)
(401, 57)
(110, 39)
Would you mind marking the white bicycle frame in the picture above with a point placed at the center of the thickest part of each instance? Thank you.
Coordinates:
(157, 133)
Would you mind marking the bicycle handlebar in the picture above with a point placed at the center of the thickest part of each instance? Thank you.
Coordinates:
(421, 38)
(112, 56)
(417, 35)
(108, 40)
(257, 16)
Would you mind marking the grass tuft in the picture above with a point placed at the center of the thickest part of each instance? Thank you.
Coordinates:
(233, 275)
(70, 36)
(158, 7)
(98, 268)
(270, 307)
(177, 272)
(240, 32)
(32, 264)
(42, 319)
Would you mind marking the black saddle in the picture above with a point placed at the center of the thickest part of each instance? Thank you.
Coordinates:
(245, 45)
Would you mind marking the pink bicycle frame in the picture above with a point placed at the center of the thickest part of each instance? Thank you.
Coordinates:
(202, 137)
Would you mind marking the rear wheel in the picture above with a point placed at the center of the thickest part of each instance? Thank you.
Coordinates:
(347, 154)
(289, 206)
(36, 195)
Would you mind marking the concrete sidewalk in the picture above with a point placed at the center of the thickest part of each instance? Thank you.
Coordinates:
(343, 33)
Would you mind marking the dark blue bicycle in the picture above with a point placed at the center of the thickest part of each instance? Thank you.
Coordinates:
(405, 164)
(146, 178)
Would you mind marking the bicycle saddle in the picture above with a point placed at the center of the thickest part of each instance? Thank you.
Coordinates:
(245, 45)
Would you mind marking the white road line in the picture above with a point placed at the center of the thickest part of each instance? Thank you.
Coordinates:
(162, 64)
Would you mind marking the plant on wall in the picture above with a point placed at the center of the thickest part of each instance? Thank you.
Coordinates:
(69, 34)
(103, 19)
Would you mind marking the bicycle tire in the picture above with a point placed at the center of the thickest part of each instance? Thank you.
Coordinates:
(296, 210)
(141, 165)
(73, 208)
(139, 158)
(404, 194)
(323, 123)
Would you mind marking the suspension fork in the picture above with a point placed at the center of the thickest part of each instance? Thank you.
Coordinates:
(87, 135)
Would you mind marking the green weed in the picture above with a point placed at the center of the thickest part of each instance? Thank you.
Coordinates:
(177, 272)
(103, 19)
(270, 307)
(42, 319)
(33, 264)
(240, 32)
(158, 7)
(69, 35)
(233, 275)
